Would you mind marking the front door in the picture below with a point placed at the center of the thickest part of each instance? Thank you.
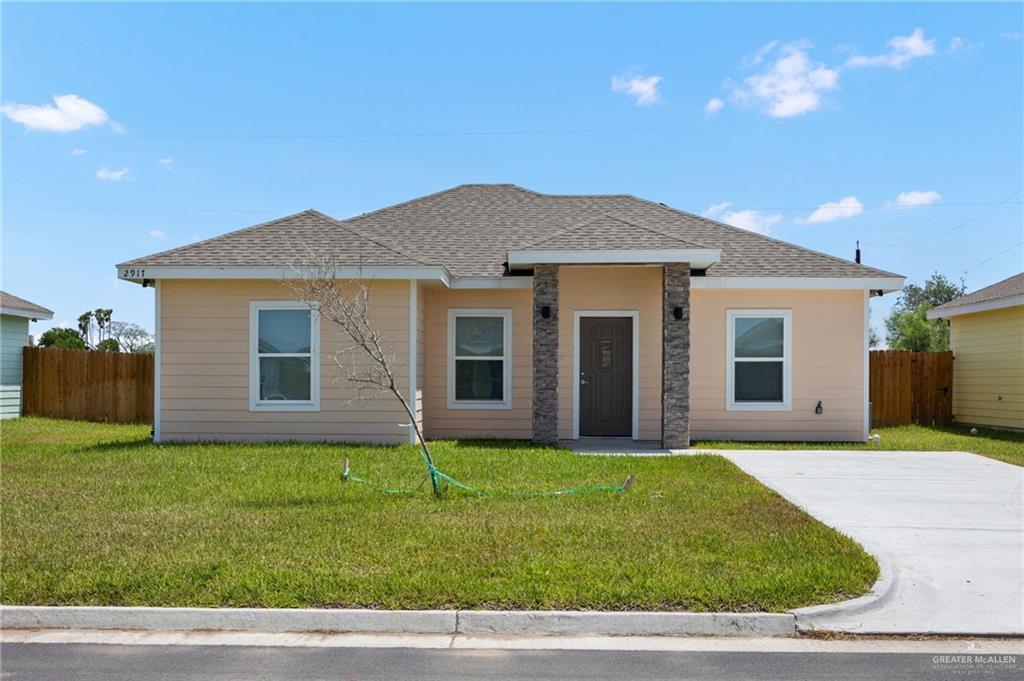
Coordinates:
(606, 376)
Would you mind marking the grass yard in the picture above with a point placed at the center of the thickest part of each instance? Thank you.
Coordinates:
(995, 444)
(97, 515)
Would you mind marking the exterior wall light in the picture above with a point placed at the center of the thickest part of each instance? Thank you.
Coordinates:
(545, 311)
(677, 312)
(819, 409)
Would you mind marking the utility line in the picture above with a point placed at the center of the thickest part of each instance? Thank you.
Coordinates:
(480, 133)
(977, 264)
(115, 209)
(951, 229)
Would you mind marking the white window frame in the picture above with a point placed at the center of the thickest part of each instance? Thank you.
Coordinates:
(255, 404)
(730, 361)
(506, 316)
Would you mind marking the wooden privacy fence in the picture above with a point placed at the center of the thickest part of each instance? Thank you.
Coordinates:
(911, 387)
(86, 384)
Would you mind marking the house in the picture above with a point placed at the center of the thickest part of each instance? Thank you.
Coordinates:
(15, 314)
(517, 314)
(986, 334)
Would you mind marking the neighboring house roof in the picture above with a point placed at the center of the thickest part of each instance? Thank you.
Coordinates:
(470, 229)
(1006, 293)
(19, 307)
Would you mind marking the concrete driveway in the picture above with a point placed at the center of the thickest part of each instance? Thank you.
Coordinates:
(946, 526)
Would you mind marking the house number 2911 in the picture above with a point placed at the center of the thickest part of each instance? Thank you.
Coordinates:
(133, 274)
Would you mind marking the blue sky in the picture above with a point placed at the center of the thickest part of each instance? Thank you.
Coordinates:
(898, 125)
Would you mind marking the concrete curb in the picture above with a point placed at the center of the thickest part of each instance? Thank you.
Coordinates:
(816, 617)
(449, 622)
(229, 619)
(576, 623)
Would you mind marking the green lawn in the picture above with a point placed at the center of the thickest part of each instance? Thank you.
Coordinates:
(995, 444)
(95, 514)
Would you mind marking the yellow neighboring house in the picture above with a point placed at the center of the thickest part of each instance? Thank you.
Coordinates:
(987, 338)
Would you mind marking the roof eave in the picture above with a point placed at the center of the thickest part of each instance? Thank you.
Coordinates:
(140, 273)
(34, 315)
(944, 312)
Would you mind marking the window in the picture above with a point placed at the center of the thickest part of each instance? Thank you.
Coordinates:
(479, 359)
(758, 365)
(284, 357)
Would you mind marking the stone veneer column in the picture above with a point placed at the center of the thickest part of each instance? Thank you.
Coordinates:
(545, 355)
(675, 358)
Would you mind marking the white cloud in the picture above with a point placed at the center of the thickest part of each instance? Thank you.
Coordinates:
(716, 209)
(918, 198)
(902, 50)
(714, 105)
(117, 127)
(78, 152)
(844, 208)
(106, 173)
(1010, 35)
(157, 233)
(751, 220)
(759, 55)
(166, 163)
(644, 90)
(71, 113)
(792, 85)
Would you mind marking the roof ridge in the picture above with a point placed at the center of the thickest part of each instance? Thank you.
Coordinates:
(761, 236)
(372, 239)
(657, 231)
(411, 201)
(602, 216)
(220, 236)
(563, 232)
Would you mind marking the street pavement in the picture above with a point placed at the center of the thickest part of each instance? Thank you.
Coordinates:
(95, 662)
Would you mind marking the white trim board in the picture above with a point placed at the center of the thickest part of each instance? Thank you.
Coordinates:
(867, 365)
(971, 308)
(28, 314)
(157, 290)
(576, 316)
(887, 284)
(413, 349)
(139, 274)
(699, 258)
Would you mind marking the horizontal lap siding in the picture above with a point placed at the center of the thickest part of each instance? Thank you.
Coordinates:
(827, 365)
(442, 422)
(988, 367)
(613, 288)
(13, 337)
(204, 368)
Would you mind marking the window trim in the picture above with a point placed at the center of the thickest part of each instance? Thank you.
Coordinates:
(257, 405)
(730, 361)
(506, 315)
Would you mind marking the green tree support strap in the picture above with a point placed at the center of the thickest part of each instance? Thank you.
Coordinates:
(438, 475)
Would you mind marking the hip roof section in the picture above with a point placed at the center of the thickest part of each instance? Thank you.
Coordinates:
(469, 230)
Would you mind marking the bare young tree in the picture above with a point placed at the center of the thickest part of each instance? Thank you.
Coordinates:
(365, 358)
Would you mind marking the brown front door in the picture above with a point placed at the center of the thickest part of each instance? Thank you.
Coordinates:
(606, 376)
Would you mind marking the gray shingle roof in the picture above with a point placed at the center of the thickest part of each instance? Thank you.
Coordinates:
(469, 230)
(15, 303)
(607, 233)
(303, 238)
(1007, 288)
